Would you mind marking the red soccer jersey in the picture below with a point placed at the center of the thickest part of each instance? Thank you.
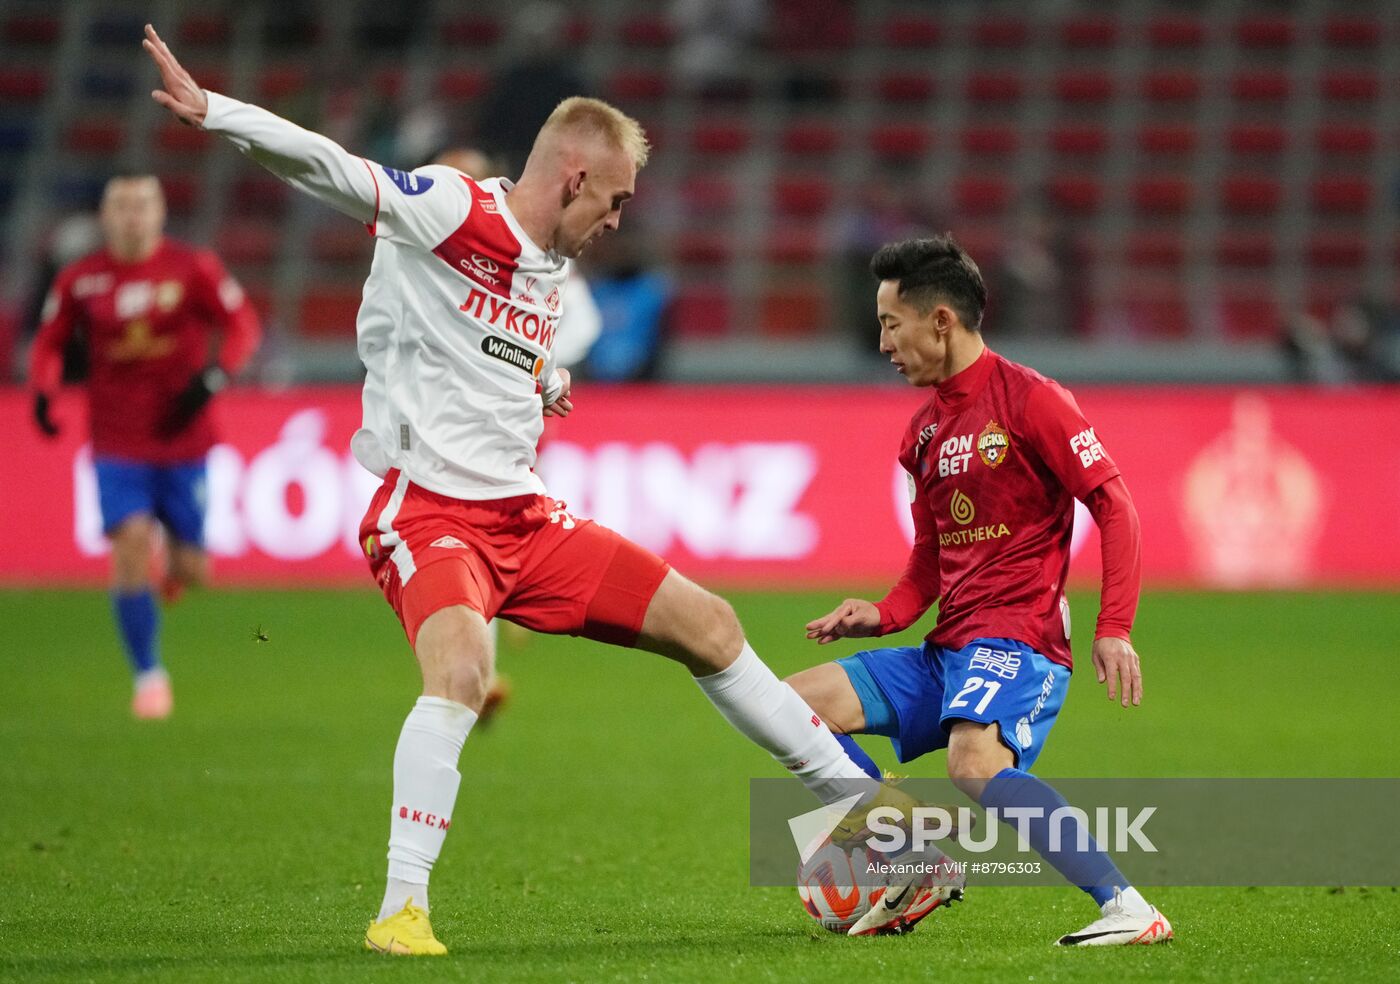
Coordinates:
(996, 458)
(147, 331)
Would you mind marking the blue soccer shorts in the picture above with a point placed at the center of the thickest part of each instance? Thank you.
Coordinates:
(913, 694)
(175, 494)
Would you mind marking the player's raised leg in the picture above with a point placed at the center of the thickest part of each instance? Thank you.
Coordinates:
(137, 613)
(454, 651)
(983, 767)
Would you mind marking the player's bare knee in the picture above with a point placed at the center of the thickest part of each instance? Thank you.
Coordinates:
(719, 638)
(971, 766)
(132, 542)
(454, 653)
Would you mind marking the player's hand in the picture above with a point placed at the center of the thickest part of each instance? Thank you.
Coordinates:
(41, 416)
(181, 95)
(191, 400)
(562, 405)
(1116, 663)
(852, 619)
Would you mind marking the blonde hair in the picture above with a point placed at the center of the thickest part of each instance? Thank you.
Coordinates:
(597, 117)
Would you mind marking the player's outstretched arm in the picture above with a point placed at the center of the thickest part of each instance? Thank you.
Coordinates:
(854, 618)
(308, 161)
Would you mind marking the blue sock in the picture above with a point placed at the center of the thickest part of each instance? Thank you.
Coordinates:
(858, 756)
(139, 622)
(1092, 870)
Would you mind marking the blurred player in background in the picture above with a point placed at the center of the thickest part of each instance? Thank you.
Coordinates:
(146, 308)
(995, 460)
(455, 332)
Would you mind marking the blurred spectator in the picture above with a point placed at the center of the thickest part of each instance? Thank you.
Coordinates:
(888, 209)
(634, 300)
(1038, 284)
(1361, 344)
(539, 75)
(714, 40)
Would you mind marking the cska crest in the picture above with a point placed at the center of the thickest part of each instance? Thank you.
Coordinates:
(993, 444)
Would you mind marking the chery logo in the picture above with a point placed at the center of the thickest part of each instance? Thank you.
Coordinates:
(485, 265)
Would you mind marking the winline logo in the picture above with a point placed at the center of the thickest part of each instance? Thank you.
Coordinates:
(517, 355)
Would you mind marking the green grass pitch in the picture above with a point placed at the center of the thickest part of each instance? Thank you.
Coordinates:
(601, 829)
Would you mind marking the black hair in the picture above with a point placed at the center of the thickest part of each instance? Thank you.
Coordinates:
(930, 271)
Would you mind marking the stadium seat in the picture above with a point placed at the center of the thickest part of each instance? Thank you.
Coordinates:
(102, 136)
(1257, 138)
(1342, 195)
(19, 86)
(1176, 32)
(721, 138)
(1000, 32)
(1351, 86)
(113, 84)
(15, 138)
(1075, 194)
(31, 30)
(1249, 315)
(991, 140)
(815, 137)
(1084, 87)
(905, 31)
(114, 29)
(341, 243)
(1158, 249)
(1352, 32)
(1254, 194)
(990, 88)
(175, 138)
(259, 194)
(279, 81)
(211, 28)
(461, 84)
(247, 243)
(699, 312)
(328, 310)
(182, 191)
(1156, 309)
(981, 194)
(1346, 139)
(1336, 251)
(812, 25)
(1079, 140)
(703, 249)
(1089, 32)
(475, 30)
(905, 87)
(707, 195)
(1265, 31)
(802, 196)
(1162, 195)
(647, 31)
(900, 141)
(1171, 87)
(1168, 138)
(796, 310)
(1260, 87)
(637, 86)
(795, 246)
(1246, 250)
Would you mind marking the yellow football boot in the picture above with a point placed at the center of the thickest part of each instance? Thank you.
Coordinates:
(407, 933)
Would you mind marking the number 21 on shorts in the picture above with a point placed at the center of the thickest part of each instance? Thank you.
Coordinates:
(972, 685)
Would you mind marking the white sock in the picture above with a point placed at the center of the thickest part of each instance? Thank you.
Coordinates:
(1131, 900)
(425, 789)
(771, 714)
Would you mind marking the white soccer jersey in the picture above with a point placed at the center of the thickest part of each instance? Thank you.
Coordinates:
(457, 324)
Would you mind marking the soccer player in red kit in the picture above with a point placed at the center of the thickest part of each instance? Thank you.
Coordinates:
(995, 460)
(145, 307)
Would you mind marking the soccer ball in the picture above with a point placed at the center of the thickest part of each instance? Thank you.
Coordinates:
(830, 886)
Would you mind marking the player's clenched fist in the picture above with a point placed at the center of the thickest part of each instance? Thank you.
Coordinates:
(853, 618)
(181, 95)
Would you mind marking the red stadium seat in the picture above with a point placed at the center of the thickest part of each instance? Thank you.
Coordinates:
(1342, 195)
(341, 243)
(1352, 32)
(182, 192)
(211, 77)
(1265, 31)
(805, 197)
(912, 31)
(204, 29)
(1250, 195)
(1084, 87)
(648, 31)
(460, 84)
(905, 87)
(1161, 250)
(1157, 309)
(1000, 32)
(811, 137)
(703, 249)
(279, 81)
(991, 140)
(1350, 87)
(1260, 87)
(790, 311)
(706, 194)
(1345, 138)
(328, 310)
(32, 30)
(259, 194)
(981, 194)
(104, 136)
(1075, 194)
(1337, 251)
(700, 312)
(1079, 140)
(1250, 316)
(1176, 32)
(472, 31)
(1168, 138)
(1089, 32)
(795, 246)
(1162, 195)
(638, 85)
(1257, 138)
(23, 85)
(812, 25)
(993, 87)
(900, 141)
(1246, 250)
(1171, 87)
(176, 138)
(721, 138)
(244, 243)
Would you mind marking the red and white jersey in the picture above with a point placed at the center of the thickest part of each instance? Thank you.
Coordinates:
(457, 324)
